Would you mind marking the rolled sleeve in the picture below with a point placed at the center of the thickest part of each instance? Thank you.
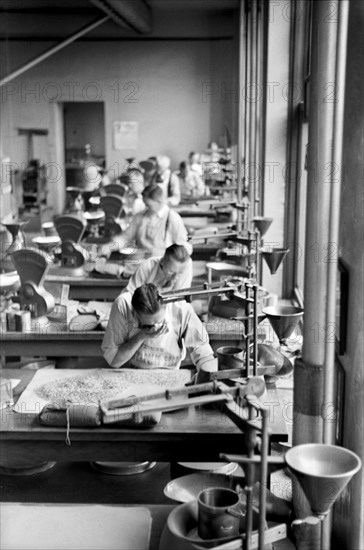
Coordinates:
(185, 279)
(117, 330)
(196, 340)
(175, 198)
(177, 232)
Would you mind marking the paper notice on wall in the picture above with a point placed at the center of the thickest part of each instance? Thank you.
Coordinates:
(125, 135)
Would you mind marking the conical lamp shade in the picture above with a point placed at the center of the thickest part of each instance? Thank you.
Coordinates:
(284, 319)
(323, 472)
(274, 258)
(262, 224)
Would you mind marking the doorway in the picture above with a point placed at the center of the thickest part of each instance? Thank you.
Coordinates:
(84, 133)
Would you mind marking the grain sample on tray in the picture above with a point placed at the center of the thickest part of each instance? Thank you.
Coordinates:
(92, 388)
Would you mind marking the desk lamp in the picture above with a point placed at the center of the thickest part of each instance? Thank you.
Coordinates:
(323, 471)
(71, 229)
(32, 266)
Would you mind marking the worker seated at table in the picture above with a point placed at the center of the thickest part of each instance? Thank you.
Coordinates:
(134, 180)
(191, 184)
(169, 272)
(153, 230)
(194, 162)
(167, 181)
(143, 332)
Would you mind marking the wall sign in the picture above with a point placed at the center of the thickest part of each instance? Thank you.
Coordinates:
(125, 135)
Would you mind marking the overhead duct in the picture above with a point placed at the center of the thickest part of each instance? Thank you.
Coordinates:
(133, 14)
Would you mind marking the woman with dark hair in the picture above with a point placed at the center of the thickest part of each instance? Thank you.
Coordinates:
(169, 272)
(154, 229)
(143, 332)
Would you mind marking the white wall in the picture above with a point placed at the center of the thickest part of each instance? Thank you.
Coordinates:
(156, 83)
(275, 153)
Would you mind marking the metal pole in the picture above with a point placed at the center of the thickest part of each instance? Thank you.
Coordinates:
(247, 108)
(241, 112)
(251, 92)
(53, 50)
(263, 475)
(309, 375)
(337, 145)
(255, 329)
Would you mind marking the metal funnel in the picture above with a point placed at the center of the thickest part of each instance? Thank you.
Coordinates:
(284, 319)
(323, 472)
(274, 258)
(262, 224)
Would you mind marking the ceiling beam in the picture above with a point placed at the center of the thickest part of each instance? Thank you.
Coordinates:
(133, 14)
(53, 50)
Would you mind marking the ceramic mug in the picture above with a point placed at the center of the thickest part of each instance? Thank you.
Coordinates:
(219, 513)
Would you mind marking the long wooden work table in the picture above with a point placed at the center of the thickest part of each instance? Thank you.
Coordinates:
(88, 343)
(194, 434)
(83, 288)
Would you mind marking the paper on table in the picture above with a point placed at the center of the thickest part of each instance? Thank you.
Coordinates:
(82, 526)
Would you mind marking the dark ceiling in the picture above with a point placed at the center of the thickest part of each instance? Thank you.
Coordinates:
(49, 20)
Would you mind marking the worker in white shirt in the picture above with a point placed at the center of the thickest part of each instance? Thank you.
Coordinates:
(134, 179)
(143, 332)
(169, 272)
(191, 185)
(167, 181)
(153, 230)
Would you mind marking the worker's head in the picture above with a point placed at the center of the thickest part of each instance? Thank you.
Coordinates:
(153, 198)
(134, 179)
(174, 261)
(194, 158)
(184, 169)
(163, 163)
(148, 306)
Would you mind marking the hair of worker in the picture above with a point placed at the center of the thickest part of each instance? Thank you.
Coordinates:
(153, 192)
(176, 252)
(146, 299)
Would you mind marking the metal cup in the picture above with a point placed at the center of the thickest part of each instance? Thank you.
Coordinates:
(219, 513)
(230, 357)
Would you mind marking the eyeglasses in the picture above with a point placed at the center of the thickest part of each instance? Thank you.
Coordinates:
(155, 325)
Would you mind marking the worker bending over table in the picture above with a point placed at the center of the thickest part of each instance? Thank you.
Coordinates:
(152, 230)
(169, 272)
(143, 332)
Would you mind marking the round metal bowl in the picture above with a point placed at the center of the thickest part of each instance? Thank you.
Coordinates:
(94, 216)
(45, 242)
(8, 279)
(122, 468)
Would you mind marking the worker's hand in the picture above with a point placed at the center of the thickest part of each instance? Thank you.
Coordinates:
(202, 376)
(154, 332)
(106, 249)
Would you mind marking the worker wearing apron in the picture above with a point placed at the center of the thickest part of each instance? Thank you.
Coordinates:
(145, 333)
